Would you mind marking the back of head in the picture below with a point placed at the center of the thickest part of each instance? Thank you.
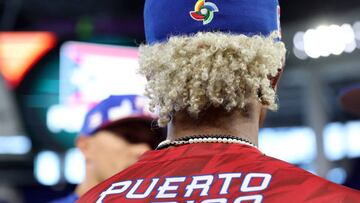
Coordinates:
(221, 54)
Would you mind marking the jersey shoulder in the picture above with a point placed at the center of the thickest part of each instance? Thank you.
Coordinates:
(309, 185)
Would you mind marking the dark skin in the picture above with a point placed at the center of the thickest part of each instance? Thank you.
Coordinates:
(216, 121)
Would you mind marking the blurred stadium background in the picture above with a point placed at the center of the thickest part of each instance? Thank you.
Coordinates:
(59, 57)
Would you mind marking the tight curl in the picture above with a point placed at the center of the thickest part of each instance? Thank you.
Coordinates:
(210, 69)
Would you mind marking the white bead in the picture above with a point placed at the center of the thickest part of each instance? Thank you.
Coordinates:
(164, 142)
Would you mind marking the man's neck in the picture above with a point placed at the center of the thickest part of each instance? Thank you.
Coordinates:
(217, 122)
(89, 182)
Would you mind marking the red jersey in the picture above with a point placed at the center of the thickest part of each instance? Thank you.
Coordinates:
(216, 173)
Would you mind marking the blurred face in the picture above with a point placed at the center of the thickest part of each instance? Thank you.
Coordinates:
(107, 154)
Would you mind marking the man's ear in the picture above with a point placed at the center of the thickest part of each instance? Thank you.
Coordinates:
(262, 118)
(275, 80)
(83, 144)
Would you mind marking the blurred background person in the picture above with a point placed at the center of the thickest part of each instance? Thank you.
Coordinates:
(115, 133)
(60, 58)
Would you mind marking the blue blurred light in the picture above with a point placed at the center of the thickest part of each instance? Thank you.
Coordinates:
(74, 166)
(353, 139)
(15, 145)
(342, 140)
(334, 141)
(47, 168)
(337, 175)
(295, 145)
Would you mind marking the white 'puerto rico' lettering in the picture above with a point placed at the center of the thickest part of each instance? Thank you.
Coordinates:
(256, 198)
(166, 187)
(204, 187)
(116, 188)
(131, 194)
(245, 187)
(228, 178)
(168, 190)
(221, 200)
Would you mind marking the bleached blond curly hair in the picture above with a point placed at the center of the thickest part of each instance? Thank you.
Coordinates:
(210, 69)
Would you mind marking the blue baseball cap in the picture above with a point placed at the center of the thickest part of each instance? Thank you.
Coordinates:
(165, 18)
(115, 109)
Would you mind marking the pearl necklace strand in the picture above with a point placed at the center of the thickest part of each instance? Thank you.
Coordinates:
(205, 139)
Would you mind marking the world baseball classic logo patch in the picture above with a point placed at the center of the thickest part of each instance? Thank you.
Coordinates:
(204, 11)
